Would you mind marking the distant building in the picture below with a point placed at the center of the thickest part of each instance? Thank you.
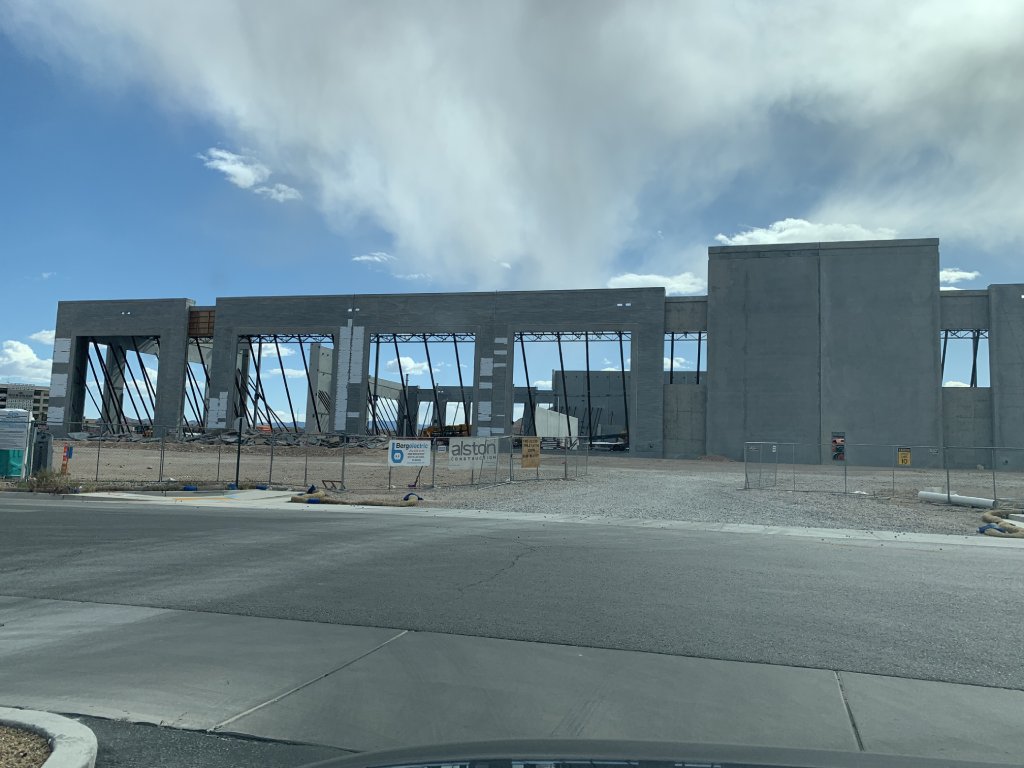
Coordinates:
(27, 396)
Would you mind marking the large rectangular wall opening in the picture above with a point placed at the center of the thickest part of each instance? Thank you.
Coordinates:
(964, 357)
(120, 384)
(420, 384)
(572, 385)
(283, 382)
(685, 357)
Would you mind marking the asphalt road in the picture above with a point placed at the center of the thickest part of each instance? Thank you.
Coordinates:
(947, 613)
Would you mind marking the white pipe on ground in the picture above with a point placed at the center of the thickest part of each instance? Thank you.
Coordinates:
(961, 501)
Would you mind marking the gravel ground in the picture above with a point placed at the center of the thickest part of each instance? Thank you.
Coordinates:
(604, 485)
(708, 492)
(22, 749)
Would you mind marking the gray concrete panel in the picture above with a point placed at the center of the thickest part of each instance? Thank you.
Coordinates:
(963, 309)
(192, 670)
(967, 416)
(941, 720)
(880, 376)
(431, 689)
(763, 348)
(686, 314)
(1006, 371)
(685, 419)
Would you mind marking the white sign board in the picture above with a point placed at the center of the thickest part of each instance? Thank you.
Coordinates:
(409, 453)
(473, 453)
(14, 426)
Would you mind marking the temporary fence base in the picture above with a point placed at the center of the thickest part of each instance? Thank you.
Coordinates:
(349, 463)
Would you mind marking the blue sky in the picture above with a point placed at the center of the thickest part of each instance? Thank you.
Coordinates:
(230, 148)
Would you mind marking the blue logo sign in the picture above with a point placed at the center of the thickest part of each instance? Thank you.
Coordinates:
(397, 455)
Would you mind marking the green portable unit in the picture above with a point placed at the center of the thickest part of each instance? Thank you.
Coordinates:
(15, 424)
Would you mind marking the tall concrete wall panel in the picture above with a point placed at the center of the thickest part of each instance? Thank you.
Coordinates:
(880, 377)
(117, 322)
(763, 354)
(1006, 361)
(685, 415)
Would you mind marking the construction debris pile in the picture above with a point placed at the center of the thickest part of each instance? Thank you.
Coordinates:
(998, 524)
(249, 437)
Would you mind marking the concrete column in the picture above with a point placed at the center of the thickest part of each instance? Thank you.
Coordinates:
(170, 382)
(1006, 373)
(352, 345)
(646, 400)
(322, 366)
(112, 402)
(492, 380)
(68, 379)
(407, 419)
(222, 403)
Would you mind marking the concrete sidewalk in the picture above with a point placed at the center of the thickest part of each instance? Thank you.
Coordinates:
(280, 500)
(361, 688)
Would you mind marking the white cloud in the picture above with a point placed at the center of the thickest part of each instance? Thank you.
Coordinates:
(954, 384)
(542, 384)
(409, 366)
(956, 275)
(674, 285)
(413, 276)
(270, 351)
(290, 373)
(242, 171)
(489, 133)
(279, 192)
(949, 288)
(680, 363)
(374, 257)
(19, 363)
(47, 275)
(43, 337)
(802, 231)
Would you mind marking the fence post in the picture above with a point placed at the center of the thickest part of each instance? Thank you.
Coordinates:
(220, 447)
(433, 462)
(993, 473)
(511, 458)
(99, 444)
(846, 462)
(565, 462)
(270, 471)
(344, 454)
(160, 479)
(305, 467)
(894, 458)
(945, 462)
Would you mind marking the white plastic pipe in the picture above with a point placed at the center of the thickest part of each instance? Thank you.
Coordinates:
(962, 501)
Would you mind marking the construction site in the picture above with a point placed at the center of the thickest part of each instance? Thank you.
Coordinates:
(798, 344)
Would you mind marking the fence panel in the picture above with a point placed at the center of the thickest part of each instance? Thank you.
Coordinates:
(899, 471)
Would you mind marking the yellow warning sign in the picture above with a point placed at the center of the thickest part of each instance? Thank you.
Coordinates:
(531, 452)
(903, 457)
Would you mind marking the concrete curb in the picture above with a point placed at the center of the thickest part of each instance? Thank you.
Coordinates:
(74, 745)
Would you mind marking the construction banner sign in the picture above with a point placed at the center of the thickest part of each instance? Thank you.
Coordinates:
(472, 453)
(531, 452)
(409, 453)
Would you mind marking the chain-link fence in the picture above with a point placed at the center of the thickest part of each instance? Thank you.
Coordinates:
(885, 470)
(342, 462)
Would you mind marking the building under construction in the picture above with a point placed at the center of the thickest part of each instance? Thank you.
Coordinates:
(796, 343)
